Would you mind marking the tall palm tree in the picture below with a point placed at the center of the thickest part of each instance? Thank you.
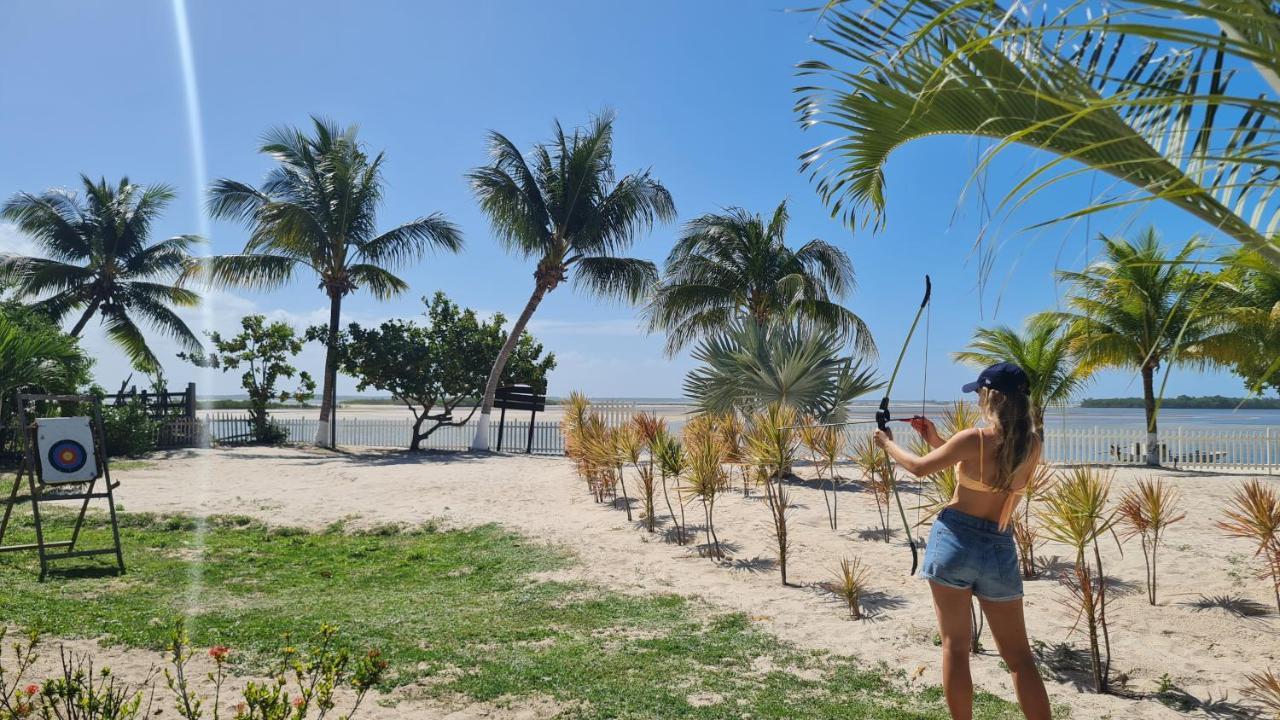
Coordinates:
(1138, 308)
(1042, 348)
(36, 357)
(1158, 113)
(563, 208)
(101, 261)
(317, 211)
(736, 264)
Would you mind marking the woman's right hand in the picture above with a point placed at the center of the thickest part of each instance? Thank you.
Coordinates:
(927, 430)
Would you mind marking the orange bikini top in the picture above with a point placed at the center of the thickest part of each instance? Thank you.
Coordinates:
(975, 484)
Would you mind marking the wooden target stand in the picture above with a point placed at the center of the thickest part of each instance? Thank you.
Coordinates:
(71, 472)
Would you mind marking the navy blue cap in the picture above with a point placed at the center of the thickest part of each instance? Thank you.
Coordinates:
(1005, 377)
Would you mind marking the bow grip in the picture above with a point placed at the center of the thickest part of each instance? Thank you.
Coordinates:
(882, 415)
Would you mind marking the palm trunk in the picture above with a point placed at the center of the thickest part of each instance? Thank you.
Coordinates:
(325, 437)
(481, 440)
(84, 319)
(1149, 403)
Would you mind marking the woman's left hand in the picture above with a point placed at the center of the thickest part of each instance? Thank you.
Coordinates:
(882, 437)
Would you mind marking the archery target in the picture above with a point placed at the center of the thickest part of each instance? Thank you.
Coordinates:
(65, 448)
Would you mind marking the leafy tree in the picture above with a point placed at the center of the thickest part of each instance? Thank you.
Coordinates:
(568, 213)
(1042, 348)
(101, 260)
(1140, 309)
(1250, 287)
(434, 368)
(1146, 91)
(752, 366)
(265, 351)
(317, 212)
(736, 264)
(36, 356)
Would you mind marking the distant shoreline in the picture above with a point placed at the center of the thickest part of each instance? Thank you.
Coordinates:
(1187, 402)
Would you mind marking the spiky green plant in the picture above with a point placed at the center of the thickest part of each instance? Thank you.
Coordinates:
(824, 443)
(706, 479)
(1254, 515)
(1075, 514)
(877, 476)
(639, 449)
(671, 466)
(772, 446)
(850, 584)
(1145, 512)
(576, 409)
(628, 444)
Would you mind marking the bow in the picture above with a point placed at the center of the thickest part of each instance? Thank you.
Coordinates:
(883, 418)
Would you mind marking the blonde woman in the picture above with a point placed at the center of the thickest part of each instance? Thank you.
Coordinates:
(971, 551)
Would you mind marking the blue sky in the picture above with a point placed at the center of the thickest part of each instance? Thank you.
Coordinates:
(703, 94)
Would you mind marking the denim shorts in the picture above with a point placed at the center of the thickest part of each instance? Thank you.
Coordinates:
(970, 553)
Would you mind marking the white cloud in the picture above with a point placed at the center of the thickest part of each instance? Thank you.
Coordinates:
(13, 242)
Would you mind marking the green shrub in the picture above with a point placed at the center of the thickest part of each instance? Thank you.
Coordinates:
(128, 430)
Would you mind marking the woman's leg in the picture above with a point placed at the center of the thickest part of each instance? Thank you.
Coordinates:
(1009, 629)
(952, 606)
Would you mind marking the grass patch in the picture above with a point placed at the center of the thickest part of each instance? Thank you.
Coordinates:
(459, 608)
(127, 465)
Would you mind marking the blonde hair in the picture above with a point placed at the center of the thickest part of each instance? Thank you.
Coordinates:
(1010, 415)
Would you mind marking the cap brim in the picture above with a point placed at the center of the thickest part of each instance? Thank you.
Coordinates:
(971, 387)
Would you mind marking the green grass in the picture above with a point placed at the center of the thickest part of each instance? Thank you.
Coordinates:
(459, 607)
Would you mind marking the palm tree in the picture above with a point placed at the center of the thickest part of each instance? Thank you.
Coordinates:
(100, 260)
(733, 265)
(1140, 309)
(796, 365)
(1250, 287)
(564, 209)
(317, 211)
(1043, 349)
(1156, 113)
(36, 357)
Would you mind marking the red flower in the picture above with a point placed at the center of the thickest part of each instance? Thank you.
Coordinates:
(297, 702)
(219, 653)
(32, 690)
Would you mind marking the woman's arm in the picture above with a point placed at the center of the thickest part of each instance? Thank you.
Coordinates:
(962, 446)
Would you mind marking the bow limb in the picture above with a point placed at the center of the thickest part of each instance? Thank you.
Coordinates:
(883, 418)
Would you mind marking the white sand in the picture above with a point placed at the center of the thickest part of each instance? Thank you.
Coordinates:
(1215, 619)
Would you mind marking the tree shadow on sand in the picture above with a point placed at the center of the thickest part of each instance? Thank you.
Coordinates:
(877, 533)
(707, 550)
(756, 565)
(874, 604)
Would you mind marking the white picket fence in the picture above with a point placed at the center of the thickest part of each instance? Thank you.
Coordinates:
(1255, 449)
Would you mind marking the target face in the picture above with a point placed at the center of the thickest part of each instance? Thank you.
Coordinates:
(65, 447)
(67, 456)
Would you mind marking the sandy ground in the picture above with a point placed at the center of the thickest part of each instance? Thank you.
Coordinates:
(1214, 620)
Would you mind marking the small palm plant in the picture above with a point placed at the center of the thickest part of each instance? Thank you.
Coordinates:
(850, 584)
(729, 431)
(706, 479)
(638, 447)
(671, 466)
(627, 445)
(576, 409)
(1254, 515)
(1265, 689)
(877, 476)
(1025, 533)
(772, 446)
(824, 443)
(600, 458)
(1145, 512)
(1075, 513)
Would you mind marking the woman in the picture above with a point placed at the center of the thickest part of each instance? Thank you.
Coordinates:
(971, 549)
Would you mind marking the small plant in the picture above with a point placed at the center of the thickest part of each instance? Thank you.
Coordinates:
(79, 692)
(877, 476)
(1264, 688)
(851, 584)
(729, 432)
(633, 443)
(1255, 516)
(772, 445)
(1145, 512)
(706, 477)
(824, 443)
(1165, 684)
(1075, 513)
(1025, 533)
(671, 466)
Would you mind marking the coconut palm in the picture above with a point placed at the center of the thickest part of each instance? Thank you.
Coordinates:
(1156, 114)
(736, 264)
(1042, 349)
(101, 261)
(1139, 308)
(36, 358)
(317, 212)
(564, 209)
(750, 366)
(1250, 288)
